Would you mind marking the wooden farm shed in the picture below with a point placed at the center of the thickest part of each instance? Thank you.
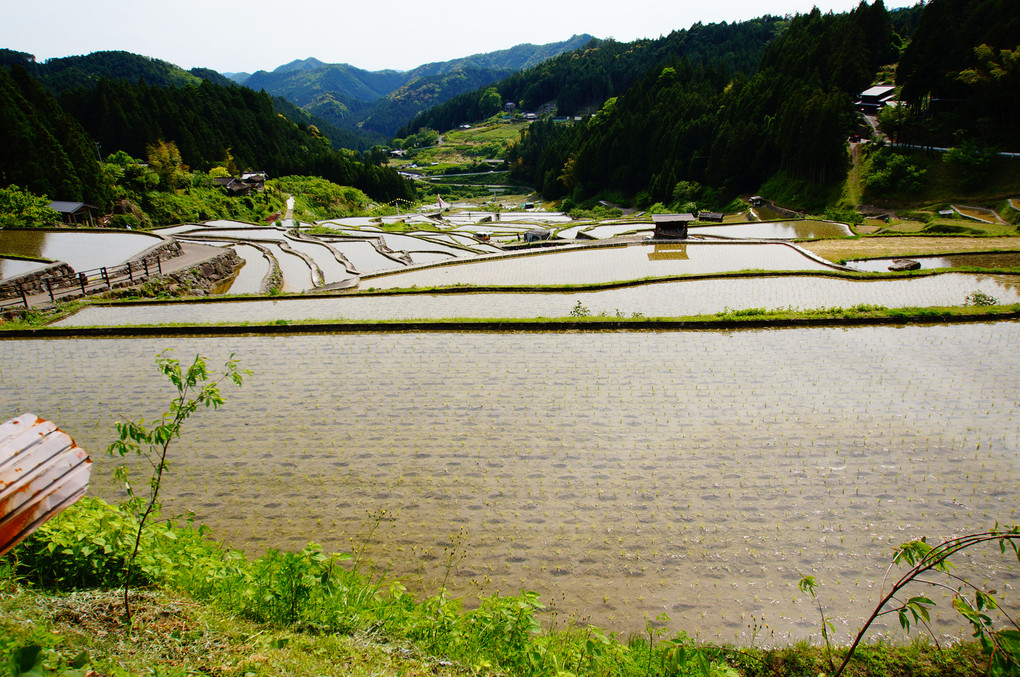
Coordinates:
(75, 213)
(672, 226)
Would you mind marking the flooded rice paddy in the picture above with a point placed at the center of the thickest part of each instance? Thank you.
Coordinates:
(660, 299)
(604, 264)
(85, 250)
(256, 267)
(976, 260)
(777, 230)
(621, 475)
(16, 267)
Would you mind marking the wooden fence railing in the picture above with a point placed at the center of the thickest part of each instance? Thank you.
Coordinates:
(83, 283)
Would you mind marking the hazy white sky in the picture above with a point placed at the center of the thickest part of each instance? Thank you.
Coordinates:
(399, 34)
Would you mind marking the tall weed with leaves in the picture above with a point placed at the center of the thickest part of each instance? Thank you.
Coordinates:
(196, 387)
(996, 630)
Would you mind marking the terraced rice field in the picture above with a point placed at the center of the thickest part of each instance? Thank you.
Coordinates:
(16, 267)
(662, 299)
(975, 260)
(622, 475)
(604, 264)
(82, 250)
(777, 230)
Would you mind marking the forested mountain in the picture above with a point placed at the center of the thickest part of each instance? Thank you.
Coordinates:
(209, 120)
(581, 80)
(331, 118)
(697, 120)
(396, 108)
(961, 74)
(42, 148)
(303, 85)
(85, 72)
(54, 148)
(381, 101)
(515, 58)
(71, 72)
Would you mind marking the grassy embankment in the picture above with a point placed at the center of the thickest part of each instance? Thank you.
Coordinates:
(208, 610)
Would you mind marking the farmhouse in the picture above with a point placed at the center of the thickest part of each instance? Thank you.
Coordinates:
(872, 100)
(248, 183)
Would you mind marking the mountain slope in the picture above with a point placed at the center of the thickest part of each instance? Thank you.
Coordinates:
(70, 72)
(397, 107)
(581, 80)
(338, 92)
(304, 85)
(515, 58)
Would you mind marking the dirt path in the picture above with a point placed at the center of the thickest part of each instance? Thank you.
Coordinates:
(882, 247)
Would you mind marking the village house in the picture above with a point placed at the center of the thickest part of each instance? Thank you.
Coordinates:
(246, 185)
(872, 100)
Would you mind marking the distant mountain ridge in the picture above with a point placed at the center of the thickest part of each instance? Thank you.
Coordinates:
(396, 96)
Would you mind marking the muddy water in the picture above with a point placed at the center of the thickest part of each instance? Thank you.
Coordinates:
(621, 475)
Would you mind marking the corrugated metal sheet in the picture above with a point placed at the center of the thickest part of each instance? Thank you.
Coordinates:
(42, 471)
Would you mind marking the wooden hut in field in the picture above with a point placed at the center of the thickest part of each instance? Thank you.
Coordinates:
(672, 226)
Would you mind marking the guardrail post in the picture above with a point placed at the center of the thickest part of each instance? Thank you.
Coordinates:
(106, 276)
(82, 280)
(49, 288)
(24, 296)
(159, 265)
(130, 276)
(145, 262)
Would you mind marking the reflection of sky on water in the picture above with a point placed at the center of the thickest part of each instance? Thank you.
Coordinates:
(83, 250)
(16, 267)
(776, 230)
(662, 299)
(607, 264)
(256, 267)
(977, 260)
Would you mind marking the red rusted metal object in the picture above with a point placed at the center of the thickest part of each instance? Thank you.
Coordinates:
(42, 471)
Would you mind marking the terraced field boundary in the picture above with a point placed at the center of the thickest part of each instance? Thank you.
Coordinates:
(735, 321)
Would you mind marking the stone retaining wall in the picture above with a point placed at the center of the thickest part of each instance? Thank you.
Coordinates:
(170, 248)
(34, 282)
(195, 281)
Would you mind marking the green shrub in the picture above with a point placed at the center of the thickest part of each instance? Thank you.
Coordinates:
(949, 229)
(86, 546)
(894, 175)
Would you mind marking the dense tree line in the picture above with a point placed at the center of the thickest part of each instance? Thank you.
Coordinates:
(396, 108)
(207, 120)
(42, 148)
(692, 122)
(581, 80)
(59, 75)
(54, 148)
(961, 74)
(72, 72)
